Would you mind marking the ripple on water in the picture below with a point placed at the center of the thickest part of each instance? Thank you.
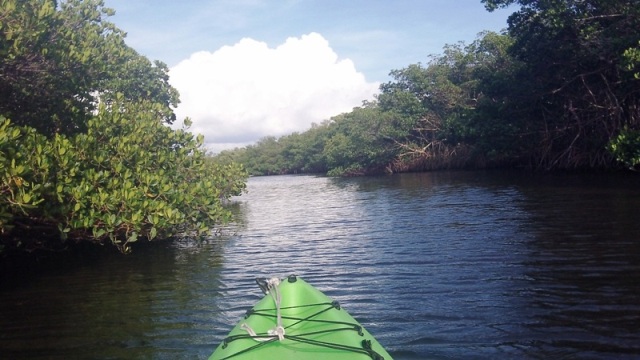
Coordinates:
(436, 265)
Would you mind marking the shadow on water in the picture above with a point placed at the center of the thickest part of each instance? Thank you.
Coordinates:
(155, 303)
(584, 266)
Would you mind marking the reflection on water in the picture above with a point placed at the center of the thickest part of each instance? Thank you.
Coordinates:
(585, 268)
(437, 265)
(152, 304)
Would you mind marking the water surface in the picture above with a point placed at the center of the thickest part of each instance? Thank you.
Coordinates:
(443, 265)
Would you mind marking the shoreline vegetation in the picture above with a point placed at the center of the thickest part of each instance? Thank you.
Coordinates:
(559, 90)
(87, 155)
(86, 152)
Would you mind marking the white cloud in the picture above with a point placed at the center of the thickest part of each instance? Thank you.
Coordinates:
(241, 93)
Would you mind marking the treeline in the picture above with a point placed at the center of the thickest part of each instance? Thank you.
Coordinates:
(559, 90)
(85, 151)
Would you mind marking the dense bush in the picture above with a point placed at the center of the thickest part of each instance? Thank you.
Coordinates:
(129, 176)
(85, 151)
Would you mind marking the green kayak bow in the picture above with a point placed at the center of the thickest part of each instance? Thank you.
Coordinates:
(296, 321)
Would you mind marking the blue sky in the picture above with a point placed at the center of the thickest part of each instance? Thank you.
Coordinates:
(354, 43)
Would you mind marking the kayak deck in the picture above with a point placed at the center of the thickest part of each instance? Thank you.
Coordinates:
(297, 321)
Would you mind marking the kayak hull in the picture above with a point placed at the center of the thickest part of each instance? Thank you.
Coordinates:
(312, 327)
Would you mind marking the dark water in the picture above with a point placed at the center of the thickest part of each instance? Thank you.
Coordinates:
(440, 265)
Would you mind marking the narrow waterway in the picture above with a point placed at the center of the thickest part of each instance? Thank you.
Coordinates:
(444, 265)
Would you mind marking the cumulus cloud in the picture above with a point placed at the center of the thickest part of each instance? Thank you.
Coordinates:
(241, 93)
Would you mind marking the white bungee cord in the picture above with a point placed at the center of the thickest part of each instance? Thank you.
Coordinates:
(272, 289)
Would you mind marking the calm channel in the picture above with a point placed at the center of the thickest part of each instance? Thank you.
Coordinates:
(443, 265)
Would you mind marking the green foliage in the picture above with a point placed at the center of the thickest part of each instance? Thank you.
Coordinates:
(58, 60)
(632, 60)
(140, 178)
(360, 142)
(291, 154)
(626, 148)
(128, 177)
(24, 169)
(87, 156)
(497, 131)
(353, 143)
(580, 65)
(454, 104)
